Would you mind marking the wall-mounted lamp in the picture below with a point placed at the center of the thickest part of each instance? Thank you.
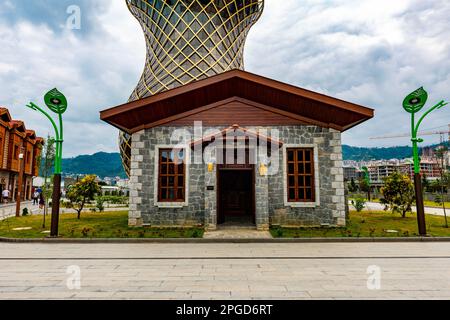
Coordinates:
(263, 170)
(210, 167)
(21, 156)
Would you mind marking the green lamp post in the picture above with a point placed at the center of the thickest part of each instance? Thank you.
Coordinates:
(413, 103)
(57, 103)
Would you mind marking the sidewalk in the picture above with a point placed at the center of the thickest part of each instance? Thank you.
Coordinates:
(374, 206)
(9, 210)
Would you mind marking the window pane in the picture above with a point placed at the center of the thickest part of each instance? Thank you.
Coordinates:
(181, 169)
(180, 193)
(291, 168)
(164, 182)
(171, 169)
(301, 168)
(171, 181)
(164, 156)
(290, 155)
(309, 194)
(164, 169)
(163, 194)
(292, 181)
(301, 194)
(301, 181)
(308, 181)
(308, 168)
(171, 194)
(292, 194)
(181, 181)
(308, 155)
(300, 155)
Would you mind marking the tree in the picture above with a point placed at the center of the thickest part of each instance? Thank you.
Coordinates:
(398, 193)
(82, 192)
(364, 185)
(352, 187)
(425, 183)
(440, 154)
(48, 161)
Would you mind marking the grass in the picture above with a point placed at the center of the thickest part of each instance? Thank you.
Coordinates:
(91, 225)
(374, 224)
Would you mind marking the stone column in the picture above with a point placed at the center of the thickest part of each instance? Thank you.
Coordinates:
(337, 175)
(137, 159)
(262, 201)
(211, 199)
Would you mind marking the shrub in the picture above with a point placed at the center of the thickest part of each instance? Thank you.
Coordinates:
(25, 212)
(100, 204)
(359, 204)
(398, 193)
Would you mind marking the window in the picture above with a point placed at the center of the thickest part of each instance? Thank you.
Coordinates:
(300, 175)
(172, 175)
(16, 152)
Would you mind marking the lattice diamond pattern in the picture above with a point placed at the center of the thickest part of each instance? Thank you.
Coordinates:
(189, 40)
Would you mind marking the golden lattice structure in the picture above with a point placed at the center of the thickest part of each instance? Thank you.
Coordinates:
(189, 40)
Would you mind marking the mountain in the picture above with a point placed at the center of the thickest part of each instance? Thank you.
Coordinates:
(101, 164)
(365, 154)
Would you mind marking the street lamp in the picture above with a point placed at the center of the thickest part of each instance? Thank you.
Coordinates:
(57, 103)
(412, 104)
(19, 183)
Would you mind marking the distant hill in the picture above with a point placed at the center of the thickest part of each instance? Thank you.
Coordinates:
(364, 154)
(101, 164)
(110, 164)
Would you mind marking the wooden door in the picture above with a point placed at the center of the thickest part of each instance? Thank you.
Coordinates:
(236, 195)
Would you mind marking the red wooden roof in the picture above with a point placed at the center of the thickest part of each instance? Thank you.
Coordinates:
(305, 105)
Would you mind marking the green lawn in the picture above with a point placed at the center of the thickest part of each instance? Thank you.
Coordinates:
(91, 225)
(372, 224)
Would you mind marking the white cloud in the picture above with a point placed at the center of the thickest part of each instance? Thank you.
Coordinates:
(368, 52)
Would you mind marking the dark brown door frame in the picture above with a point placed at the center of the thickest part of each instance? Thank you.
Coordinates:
(220, 169)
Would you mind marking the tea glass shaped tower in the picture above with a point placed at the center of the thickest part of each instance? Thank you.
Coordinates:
(189, 40)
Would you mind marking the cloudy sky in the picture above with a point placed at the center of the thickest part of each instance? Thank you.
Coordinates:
(371, 52)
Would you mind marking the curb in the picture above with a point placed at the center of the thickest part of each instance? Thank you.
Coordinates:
(212, 241)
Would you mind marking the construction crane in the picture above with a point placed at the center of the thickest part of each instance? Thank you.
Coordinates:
(425, 133)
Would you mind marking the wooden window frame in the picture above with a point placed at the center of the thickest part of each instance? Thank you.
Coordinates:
(315, 203)
(167, 175)
(170, 204)
(297, 175)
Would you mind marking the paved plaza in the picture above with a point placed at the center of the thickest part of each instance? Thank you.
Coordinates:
(225, 271)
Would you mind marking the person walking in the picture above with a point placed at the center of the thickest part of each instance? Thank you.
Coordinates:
(5, 195)
(41, 201)
(36, 196)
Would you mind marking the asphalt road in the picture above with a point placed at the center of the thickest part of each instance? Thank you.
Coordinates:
(225, 271)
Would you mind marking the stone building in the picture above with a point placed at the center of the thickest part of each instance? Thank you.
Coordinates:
(15, 139)
(237, 148)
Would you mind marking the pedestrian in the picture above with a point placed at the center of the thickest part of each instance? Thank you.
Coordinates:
(41, 201)
(36, 196)
(5, 195)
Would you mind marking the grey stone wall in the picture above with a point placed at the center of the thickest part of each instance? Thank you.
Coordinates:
(270, 190)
